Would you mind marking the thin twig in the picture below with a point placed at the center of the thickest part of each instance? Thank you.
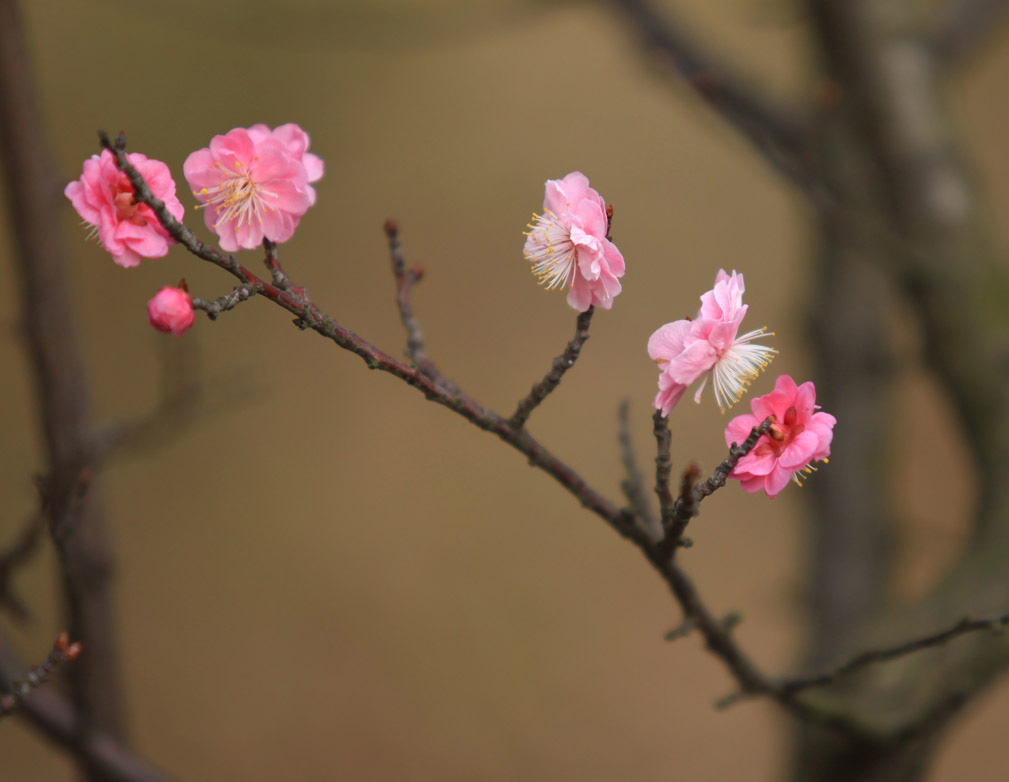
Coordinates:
(272, 262)
(224, 303)
(406, 278)
(552, 379)
(63, 651)
(663, 466)
(966, 625)
(687, 506)
(633, 486)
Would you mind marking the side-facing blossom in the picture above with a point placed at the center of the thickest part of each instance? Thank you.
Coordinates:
(105, 200)
(709, 347)
(798, 436)
(254, 184)
(567, 244)
(171, 310)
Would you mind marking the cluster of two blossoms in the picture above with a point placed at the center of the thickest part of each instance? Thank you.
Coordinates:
(253, 184)
(569, 245)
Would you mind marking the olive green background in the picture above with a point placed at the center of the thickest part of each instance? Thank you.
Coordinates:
(327, 577)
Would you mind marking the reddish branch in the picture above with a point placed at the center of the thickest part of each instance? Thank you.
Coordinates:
(552, 379)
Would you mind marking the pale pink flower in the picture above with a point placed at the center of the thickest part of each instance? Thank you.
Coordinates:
(254, 184)
(171, 310)
(567, 244)
(709, 347)
(797, 437)
(105, 200)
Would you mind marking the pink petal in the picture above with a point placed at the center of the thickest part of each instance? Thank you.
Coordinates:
(666, 342)
(314, 166)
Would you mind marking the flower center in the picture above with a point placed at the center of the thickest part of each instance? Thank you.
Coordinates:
(550, 250)
(239, 197)
(122, 197)
(781, 434)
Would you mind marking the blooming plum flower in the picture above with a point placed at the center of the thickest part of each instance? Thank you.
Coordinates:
(105, 200)
(798, 436)
(171, 310)
(254, 183)
(709, 347)
(567, 244)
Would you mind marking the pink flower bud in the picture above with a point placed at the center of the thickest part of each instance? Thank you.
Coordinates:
(171, 309)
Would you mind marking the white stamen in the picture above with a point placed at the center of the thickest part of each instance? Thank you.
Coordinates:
(550, 250)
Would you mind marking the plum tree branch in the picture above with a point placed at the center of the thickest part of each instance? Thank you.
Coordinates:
(716, 631)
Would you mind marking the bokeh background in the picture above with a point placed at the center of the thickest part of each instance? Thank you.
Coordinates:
(327, 577)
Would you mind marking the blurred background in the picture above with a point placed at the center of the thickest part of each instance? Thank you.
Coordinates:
(328, 577)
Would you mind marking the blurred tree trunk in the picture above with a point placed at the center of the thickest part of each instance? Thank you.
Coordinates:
(905, 224)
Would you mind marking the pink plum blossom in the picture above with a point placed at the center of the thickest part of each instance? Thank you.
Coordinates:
(105, 200)
(171, 310)
(567, 244)
(797, 437)
(709, 346)
(254, 183)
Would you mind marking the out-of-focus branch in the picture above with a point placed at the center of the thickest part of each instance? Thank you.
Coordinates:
(869, 657)
(62, 651)
(633, 486)
(57, 720)
(776, 132)
(60, 385)
(963, 25)
(14, 555)
(552, 379)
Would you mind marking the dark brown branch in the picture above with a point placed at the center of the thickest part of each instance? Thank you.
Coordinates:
(63, 651)
(963, 25)
(687, 506)
(34, 192)
(966, 625)
(57, 720)
(775, 132)
(633, 486)
(552, 379)
(663, 466)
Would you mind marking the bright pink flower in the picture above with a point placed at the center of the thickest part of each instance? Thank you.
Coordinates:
(709, 346)
(104, 199)
(171, 310)
(567, 244)
(254, 184)
(797, 437)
